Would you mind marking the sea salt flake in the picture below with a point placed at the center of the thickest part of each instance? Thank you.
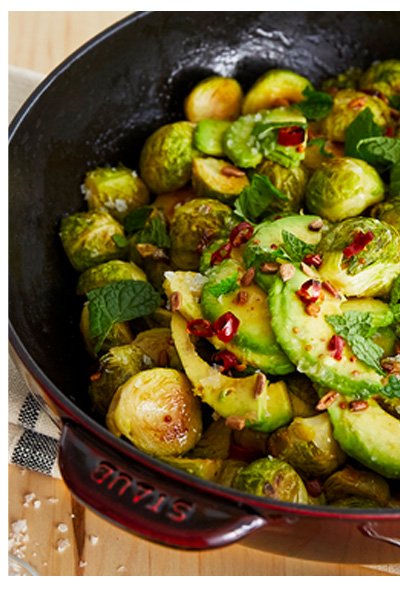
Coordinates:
(62, 545)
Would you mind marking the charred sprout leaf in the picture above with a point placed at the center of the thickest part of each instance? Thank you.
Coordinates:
(259, 199)
(356, 328)
(119, 302)
(361, 128)
(316, 104)
(136, 220)
(380, 151)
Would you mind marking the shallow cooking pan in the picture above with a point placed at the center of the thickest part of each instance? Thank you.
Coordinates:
(98, 107)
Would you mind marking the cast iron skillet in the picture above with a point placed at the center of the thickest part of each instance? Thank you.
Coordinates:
(97, 108)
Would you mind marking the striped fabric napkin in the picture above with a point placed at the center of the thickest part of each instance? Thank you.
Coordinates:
(33, 435)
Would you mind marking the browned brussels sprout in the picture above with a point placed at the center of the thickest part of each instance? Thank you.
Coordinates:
(382, 77)
(117, 190)
(217, 178)
(273, 89)
(217, 98)
(291, 181)
(91, 238)
(157, 344)
(157, 411)
(359, 483)
(108, 272)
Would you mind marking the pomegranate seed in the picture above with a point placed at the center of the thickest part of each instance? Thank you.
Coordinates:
(336, 345)
(226, 327)
(310, 291)
(226, 360)
(200, 328)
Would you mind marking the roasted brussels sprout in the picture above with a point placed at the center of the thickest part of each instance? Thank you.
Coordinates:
(388, 211)
(168, 202)
(157, 411)
(273, 89)
(355, 502)
(166, 157)
(360, 257)
(308, 445)
(158, 347)
(217, 178)
(382, 77)
(197, 220)
(120, 334)
(272, 478)
(302, 393)
(90, 238)
(343, 187)
(208, 136)
(319, 150)
(214, 443)
(357, 482)
(108, 272)
(347, 105)
(209, 469)
(117, 190)
(291, 181)
(230, 468)
(349, 79)
(217, 98)
(114, 368)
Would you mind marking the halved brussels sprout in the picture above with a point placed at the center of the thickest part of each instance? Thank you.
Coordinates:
(216, 97)
(168, 202)
(273, 89)
(208, 136)
(114, 368)
(214, 443)
(158, 346)
(343, 187)
(365, 272)
(117, 190)
(308, 445)
(272, 478)
(347, 105)
(388, 211)
(90, 238)
(230, 468)
(291, 181)
(166, 157)
(382, 77)
(360, 483)
(217, 178)
(197, 220)
(157, 411)
(120, 334)
(108, 272)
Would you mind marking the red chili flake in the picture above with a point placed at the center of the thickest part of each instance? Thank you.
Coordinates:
(226, 360)
(200, 328)
(291, 136)
(313, 260)
(221, 254)
(241, 234)
(361, 240)
(389, 131)
(310, 291)
(226, 327)
(327, 285)
(336, 345)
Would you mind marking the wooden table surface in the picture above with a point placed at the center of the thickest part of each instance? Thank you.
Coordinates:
(39, 41)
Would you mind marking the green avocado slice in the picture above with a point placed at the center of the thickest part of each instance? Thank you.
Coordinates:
(371, 436)
(250, 399)
(305, 339)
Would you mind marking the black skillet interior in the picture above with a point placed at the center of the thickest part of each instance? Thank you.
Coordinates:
(102, 103)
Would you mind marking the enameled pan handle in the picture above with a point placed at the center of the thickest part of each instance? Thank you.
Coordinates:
(149, 504)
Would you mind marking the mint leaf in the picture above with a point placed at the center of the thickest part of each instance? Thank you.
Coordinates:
(395, 180)
(154, 232)
(295, 248)
(361, 128)
(356, 328)
(320, 142)
(392, 388)
(120, 240)
(316, 104)
(379, 151)
(119, 302)
(260, 199)
(136, 220)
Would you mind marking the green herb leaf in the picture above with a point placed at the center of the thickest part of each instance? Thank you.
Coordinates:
(119, 302)
(266, 140)
(379, 151)
(259, 199)
(154, 232)
(120, 240)
(392, 388)
(136, 220)
(361, 128)
(395, 180)
(356, 328)
(316, 104)
(395, 101)
(295, 248)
